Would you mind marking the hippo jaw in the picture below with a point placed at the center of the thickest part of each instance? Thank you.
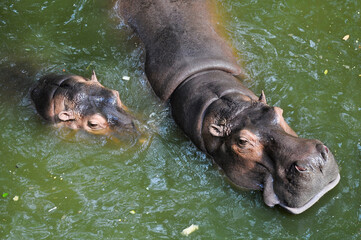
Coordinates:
(80, 103)
(313, 200)
(271, 199)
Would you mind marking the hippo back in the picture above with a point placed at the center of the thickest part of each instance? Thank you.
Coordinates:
(180, 40)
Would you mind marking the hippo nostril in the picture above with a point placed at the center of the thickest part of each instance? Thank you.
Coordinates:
(300, 168)
(323, 150)
(326, 149)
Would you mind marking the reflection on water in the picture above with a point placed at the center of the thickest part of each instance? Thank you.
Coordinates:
(74, 185)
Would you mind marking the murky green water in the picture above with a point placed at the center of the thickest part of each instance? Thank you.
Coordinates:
(71, 185)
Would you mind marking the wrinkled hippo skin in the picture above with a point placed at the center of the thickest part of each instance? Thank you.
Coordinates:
(189, 63)
(81, 103)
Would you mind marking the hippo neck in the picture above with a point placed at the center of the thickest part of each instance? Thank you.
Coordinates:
(186, 60)
(199, 100)
(180, 41)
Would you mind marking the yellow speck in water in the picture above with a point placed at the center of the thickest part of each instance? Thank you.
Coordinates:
(16, 198)
(142, 140)
(119, 220)
(346, 37)
(325, 72)
(132, 212)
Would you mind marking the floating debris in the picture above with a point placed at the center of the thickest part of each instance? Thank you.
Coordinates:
(325, 72)
(126, 78)
(190, 229)
(346, 37)
(52, 209)
(132, 212)
(91, 63)
(16, 198)
(5, 195)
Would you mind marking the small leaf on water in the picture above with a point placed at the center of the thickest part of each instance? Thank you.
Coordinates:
(346, 37)
(5, 194)
(132, 212)
(325, 72)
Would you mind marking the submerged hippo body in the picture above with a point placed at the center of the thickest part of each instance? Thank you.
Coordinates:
(190, 64)
(81, 103)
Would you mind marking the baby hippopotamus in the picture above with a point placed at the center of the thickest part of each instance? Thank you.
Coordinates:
(81, 103)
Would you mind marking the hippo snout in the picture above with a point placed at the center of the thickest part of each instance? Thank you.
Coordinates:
(122, 122)
(313, 173)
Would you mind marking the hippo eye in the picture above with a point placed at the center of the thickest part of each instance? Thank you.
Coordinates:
(93, 125)
(242, 141)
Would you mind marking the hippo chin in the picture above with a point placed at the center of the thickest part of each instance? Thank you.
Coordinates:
(81, 103)
(189, 63)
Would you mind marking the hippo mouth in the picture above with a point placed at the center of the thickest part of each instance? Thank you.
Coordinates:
(271, 198)
(313, 200)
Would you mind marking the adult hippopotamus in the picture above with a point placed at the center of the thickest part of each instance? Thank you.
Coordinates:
(189, 63)
(81, 103)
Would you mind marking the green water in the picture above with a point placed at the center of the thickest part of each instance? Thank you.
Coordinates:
(71, 185)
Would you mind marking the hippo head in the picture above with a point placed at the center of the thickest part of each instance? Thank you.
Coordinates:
(257, 149)
(81, 103)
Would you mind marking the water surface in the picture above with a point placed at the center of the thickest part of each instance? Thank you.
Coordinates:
(72, 185)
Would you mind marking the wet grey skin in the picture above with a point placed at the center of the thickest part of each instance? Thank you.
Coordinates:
(80, 103)
(190, 64)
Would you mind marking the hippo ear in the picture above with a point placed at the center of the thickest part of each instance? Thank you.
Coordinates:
(219, 130)
(262, 98)
(66, 116)
(94, 77)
